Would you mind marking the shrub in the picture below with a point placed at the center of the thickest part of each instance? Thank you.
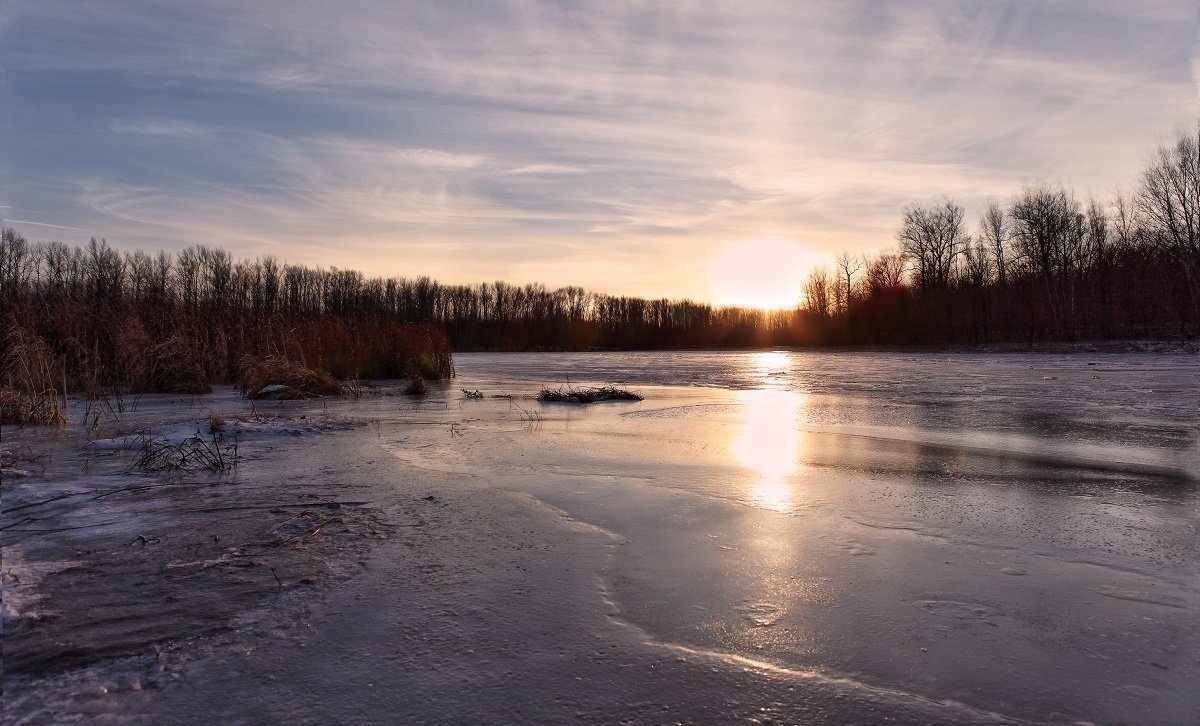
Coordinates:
(170, 364)
(29, 395)
(586, 395)
(416, 386)
(278, 378)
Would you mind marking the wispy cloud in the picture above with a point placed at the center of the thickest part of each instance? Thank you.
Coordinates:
(548, 169)
(474, 140)
(171, 128)
(40, 224)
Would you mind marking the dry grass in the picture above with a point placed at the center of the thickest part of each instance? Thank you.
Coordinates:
(586, 395)
(277, 378)
(193, 454)
(161, 347)
(31, 373)
(172, 365)
(416, 386)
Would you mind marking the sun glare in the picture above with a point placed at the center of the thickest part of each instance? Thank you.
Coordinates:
(759, 273)
(769, 444)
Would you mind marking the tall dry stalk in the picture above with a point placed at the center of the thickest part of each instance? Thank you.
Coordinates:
(29, 394)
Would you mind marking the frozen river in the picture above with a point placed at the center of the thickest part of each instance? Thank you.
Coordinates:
(783, 536)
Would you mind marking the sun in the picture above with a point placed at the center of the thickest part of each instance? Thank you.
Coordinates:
(761, 273)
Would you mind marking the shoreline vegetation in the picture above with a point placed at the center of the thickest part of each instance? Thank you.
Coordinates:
(94, 322)
(1042, 270)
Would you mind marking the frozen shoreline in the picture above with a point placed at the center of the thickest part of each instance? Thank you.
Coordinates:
(625, 562)
(496, 602)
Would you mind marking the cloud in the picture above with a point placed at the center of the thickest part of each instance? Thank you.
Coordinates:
(548, 169)
(478, 139)
(40, 224)
(171, 128)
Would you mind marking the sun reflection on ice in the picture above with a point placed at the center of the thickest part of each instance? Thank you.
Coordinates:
(768, 443)
(771, 368)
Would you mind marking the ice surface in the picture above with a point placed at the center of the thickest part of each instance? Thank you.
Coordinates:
(796, 537)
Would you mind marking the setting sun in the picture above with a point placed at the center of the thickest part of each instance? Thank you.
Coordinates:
(759, 273)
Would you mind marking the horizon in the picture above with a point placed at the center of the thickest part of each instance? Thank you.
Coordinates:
(681, 153)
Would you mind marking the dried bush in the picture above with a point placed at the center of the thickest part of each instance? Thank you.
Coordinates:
(416, 386)
(278, 378)
(195, 453)
(160, 345)
(29, 394)
(173, 366)
(586, 395)
(159, 363)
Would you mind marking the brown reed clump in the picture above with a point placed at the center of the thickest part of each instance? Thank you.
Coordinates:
(586, 395)
(173, 366)
(195, 453)
(277, 378)
(30, 372)
(416, 386)
(159, 363)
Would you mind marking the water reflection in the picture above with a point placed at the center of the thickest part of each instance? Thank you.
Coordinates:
(771, 369)
(768, 443)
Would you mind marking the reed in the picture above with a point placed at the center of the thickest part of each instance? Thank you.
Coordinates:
(31, 373)
(586, 395)
(159, 347)
(416, 386)
(195, 453)
(278, 378)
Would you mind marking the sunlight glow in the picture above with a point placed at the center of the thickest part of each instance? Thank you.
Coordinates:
(768, 443)
(760, 273)
(771, 368)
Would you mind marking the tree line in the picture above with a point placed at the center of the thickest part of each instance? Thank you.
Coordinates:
(497, 315)
(1043, 266)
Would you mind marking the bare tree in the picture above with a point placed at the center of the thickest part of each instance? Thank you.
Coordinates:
(978, 262)
(1169, 196)
(816, 291)
(63, 270)
(105, 270)
(272, 279)
(848, 264)
(994, 233)
(16, 263)
(1046, 228)
(160, 280)
(141, 274)
(885, 273)
(1126, 232)
(1096, 236)
(187, 276)
(933, 238)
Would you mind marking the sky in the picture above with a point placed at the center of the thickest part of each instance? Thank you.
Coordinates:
(710, 150)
